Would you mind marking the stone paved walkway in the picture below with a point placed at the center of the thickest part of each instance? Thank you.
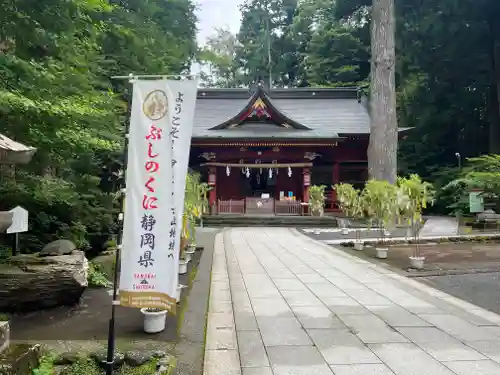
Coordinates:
(283, 304)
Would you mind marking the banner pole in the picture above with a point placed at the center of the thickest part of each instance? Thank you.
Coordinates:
(110, 358)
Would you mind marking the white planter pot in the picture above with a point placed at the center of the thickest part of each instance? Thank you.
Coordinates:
(179, 292)
(154, 321)
(417, 262)
(183, 267)
(387, 233)
(344, 231)
(358, 246)
(188, 255)
(316, 231)
(381, 253)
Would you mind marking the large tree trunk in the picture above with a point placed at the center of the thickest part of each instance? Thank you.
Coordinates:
(382, 150)
(495, 89)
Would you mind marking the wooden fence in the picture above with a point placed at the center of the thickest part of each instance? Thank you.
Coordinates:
(255, 206)
(231, 206)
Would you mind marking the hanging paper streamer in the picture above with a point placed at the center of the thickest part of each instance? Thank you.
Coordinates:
(228, 170)
(289, 172)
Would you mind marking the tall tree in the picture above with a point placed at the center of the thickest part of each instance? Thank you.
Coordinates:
(56, 57)
(383, 146)
(336, 55)
(218, 56)
(264, 53)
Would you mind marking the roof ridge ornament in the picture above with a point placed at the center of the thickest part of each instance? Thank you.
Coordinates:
(260, 107)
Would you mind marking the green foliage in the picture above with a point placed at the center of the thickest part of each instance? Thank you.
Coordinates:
(96, 277)
(195, 203)
(46, 365)
(336, 54)
(219, 55)
(349, 200)
(480, 173)
(414, 195)
(297, 42)
(88, 366)
(56, 60)
(380, 202)
(85, 366)
(145, 369)
(451, 107)
(317, 198)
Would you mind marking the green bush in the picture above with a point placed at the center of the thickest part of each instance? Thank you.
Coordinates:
(96, 277)
(46, 365)
(480, 173)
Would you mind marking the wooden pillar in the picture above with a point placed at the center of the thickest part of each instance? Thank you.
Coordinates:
(336, 178)
(212, 194)
(336, 172)
(306, 173)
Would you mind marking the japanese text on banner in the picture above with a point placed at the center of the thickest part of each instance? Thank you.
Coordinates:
(148, 269)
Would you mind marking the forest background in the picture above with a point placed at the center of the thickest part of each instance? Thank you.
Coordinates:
(57, 57)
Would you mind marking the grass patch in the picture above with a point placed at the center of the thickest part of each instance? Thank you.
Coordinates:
(88, 366)
(85, 366)
(46, 366)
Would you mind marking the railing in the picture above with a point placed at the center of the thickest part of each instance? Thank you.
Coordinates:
(259, 206)
(231, 206)
(288, 208)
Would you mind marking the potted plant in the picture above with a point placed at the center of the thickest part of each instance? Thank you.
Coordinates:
(183, 263)
(154, 319)
(195, 205)
(413, 197)
(203, 189)
(350, 202)
(189, 250)
(380, 203)
(317, 201)
(179, 292)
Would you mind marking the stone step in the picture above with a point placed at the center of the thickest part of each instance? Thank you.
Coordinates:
(269, 221)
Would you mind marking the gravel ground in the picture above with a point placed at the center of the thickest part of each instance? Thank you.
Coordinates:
(481, 289)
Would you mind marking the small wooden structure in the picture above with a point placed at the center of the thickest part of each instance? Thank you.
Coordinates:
(12, 152)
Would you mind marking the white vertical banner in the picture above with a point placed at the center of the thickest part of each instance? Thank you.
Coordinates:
(149, 255)
(185, 92)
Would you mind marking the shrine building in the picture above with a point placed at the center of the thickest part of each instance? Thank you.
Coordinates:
(261, 150)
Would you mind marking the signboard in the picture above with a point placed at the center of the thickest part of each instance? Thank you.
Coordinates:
(150, 249)
(307, 179)
(476, 201)
(211, 179)
(19, 220)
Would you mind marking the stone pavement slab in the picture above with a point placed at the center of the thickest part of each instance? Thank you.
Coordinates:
(283, 304)
(361, 370)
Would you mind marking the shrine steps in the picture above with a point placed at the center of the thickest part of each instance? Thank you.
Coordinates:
(269, 221)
